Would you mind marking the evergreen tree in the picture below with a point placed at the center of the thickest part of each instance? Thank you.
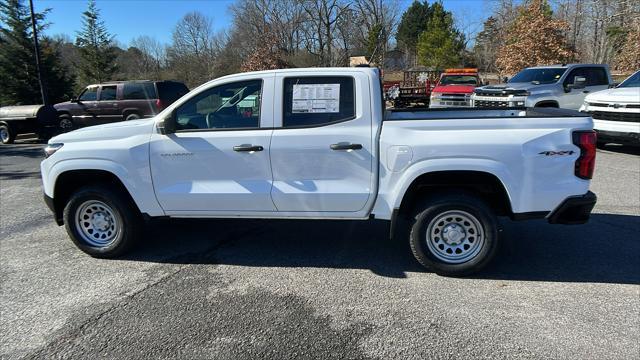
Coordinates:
(412, 24)
(375, 50)
(441, 44)
(97, 55)
(18, 72)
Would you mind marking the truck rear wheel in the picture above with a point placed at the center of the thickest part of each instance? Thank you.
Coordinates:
(101, 221)
(454, 234)
(6, 135)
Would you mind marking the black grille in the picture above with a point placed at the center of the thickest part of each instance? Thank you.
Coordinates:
(615, 116)
(489, 93)
(491, 104)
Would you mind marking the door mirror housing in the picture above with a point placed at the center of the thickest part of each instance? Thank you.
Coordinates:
(579, 82)
(505, 79)
(168, 124)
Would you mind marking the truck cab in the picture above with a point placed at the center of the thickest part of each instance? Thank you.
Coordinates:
(454, 88)
(560, 86)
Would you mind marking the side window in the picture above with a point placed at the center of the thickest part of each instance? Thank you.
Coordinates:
(229, 106)
(313, 101)
(89, 94)
(108, 93)
(597, 76)
(138, 91)
(576, 72)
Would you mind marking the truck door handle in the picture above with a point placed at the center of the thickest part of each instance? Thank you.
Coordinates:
(345, 146)
(248, 147)
(585, 92)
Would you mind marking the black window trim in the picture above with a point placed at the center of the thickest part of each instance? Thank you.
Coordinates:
(355, 108)
(173, 112)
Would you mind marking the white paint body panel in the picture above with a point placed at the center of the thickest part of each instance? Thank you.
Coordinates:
(299, 176)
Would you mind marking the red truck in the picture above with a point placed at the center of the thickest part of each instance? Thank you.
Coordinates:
(454, 88)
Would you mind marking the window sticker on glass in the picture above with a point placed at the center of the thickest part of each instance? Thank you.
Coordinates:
(316, 98)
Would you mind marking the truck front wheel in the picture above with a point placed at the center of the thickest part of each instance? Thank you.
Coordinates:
(101, 221)
(454, 234)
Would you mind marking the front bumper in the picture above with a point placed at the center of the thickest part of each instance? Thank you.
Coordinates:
(52, 206)
(574, 210)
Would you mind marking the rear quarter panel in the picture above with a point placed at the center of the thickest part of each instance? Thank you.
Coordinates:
(513, 149)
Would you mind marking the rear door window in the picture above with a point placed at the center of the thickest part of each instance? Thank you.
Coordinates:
(597, 76)
(318, 100)
(108, 93)
(138, 91)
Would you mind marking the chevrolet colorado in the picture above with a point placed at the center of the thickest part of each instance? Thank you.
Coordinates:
(318, 144)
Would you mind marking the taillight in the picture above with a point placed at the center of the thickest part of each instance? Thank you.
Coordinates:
(586, 141)
(159, 104)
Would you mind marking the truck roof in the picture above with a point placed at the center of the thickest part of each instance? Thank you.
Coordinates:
(564, 66)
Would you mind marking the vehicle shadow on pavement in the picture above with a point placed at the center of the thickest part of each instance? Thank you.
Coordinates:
(629, 150)
(606, 250)
(30, 150)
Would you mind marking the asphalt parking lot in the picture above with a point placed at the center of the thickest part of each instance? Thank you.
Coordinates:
(303, 289)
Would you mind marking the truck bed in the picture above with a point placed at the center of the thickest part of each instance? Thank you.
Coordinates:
(530, 151)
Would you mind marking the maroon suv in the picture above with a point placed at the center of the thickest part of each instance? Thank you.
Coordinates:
(117, 101)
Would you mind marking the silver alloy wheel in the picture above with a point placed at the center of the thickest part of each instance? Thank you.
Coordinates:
(4, 134)
(96, 223)
(66, 124)
(455, 236)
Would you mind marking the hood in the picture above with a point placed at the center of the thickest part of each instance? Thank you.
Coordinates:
(63, 105)
(619, 95)
(454, 89)
(111, 131)
(515, 87)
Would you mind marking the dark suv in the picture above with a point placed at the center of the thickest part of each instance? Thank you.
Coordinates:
(117, 101)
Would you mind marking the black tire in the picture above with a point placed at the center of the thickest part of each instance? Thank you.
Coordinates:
(131, 116)
(65, 123)
(7, 136)
(124, 212)
(427, 219)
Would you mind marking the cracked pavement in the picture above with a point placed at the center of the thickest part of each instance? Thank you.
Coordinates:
(240, 289)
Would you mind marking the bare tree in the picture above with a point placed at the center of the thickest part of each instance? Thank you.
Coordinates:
(194, 50)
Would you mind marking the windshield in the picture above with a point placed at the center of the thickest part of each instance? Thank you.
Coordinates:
(459, 80)
(632, 81)
(538, 76)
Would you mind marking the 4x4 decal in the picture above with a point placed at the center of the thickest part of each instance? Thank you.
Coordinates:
(559, 153)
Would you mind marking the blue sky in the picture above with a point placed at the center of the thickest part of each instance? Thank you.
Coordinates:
(128, 19)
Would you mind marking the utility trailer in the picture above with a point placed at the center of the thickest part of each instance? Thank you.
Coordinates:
(41, 120)
(415, 88)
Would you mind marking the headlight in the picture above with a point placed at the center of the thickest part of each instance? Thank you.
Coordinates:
(435, 95)
(51, 149)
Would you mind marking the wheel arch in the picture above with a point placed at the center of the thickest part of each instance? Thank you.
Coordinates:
(481, 183)
(69, 181)
(547, 103)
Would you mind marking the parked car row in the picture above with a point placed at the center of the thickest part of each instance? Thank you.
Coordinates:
(584, 87)
(97, 104)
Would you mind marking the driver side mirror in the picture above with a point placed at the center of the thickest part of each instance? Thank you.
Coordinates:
(505, 79)
(168, 124)
(579, 82)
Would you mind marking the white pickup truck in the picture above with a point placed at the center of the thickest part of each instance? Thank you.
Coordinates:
(318, 144)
